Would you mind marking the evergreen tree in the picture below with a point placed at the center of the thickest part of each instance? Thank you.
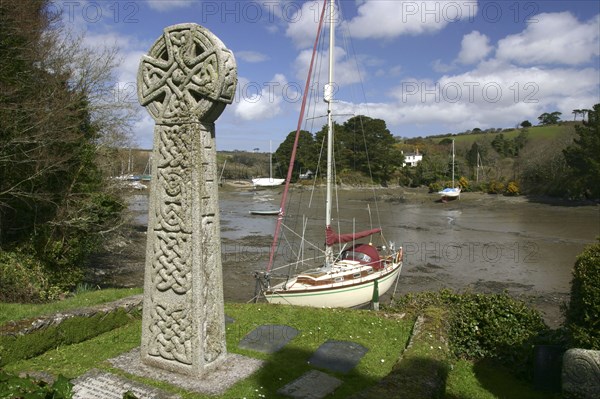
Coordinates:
(583, 156)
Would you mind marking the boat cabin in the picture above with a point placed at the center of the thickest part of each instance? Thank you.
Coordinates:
(365, 254)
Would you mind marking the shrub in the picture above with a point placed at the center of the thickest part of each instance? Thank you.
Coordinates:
(22, 278)
(493, 326)
(495, 187)
(464, 184)
(486, 326)
(584, 307)
(512, 188)
(17, 387)
(434, 187)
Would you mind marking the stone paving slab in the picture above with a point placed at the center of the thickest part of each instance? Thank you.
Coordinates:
(233, 369)
(338, 356)
(96, 384)
(268, 338)
(312, 385)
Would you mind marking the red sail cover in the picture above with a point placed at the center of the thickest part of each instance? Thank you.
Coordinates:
(331, 237)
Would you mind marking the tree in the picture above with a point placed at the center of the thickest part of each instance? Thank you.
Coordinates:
(582, 156)
(365, 145)
(549, 118)
(575, 113)
(57, 118)
(525, 124)
(306, 154)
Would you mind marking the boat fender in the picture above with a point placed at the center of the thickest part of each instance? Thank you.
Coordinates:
(399, 255)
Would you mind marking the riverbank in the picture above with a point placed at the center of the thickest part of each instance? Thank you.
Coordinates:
(480, 243)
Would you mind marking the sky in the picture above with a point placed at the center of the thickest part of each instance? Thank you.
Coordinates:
(425, 67)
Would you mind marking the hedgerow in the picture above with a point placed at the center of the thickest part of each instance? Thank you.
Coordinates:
(495, 326)
(583, 313)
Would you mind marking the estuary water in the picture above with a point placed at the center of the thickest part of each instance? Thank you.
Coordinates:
(480, 243)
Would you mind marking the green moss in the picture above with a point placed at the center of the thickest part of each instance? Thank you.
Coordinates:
(18, 311)
(73, 330)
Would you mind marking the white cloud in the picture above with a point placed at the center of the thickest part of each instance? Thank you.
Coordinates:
(388, 19)
(345, 69)
(494, 94)
(251, 56)
(259, 102)
(166, 5)
(553, 38)
(474, 48)
(302, 24)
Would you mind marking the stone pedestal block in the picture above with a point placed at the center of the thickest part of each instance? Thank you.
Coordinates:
(581, 374)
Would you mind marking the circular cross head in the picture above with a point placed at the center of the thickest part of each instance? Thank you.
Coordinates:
(188, 76)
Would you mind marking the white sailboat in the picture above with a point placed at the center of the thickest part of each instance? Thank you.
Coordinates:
(357, 272)
(450, 192)
(268, 181)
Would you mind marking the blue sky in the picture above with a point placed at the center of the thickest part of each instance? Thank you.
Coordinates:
(425, 67)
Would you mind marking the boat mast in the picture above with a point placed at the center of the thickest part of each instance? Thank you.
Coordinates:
(328, 97)
(452, 163)
(270, 161)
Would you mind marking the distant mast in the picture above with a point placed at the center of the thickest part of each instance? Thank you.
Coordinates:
(328, 98)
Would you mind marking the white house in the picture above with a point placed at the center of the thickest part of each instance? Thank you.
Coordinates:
(412, 159)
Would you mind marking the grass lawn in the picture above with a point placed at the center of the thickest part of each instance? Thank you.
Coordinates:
(385, 336)
(484, 380)
(385, 339)
(16, 311)
(535, 134)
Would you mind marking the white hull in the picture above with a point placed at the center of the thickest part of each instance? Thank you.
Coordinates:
(345, 294)
(267, 182)
(450, 192)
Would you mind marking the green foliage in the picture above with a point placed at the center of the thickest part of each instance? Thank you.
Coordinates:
(510, 147)
(583, 159)
(22, 278)
(495, 187)
(485, 325)
(366, 145)
(307, 154)
(495, 326)
(525, 123)
(73, 330)
(19, 311)
(28, 388)
(54, 205)
(584, 307)
(434, 187)
(464, 184)
(551, 118)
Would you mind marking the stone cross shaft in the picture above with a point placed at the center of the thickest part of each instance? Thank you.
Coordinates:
(185, 82)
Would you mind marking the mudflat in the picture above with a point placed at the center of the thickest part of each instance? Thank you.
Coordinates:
(479, 243)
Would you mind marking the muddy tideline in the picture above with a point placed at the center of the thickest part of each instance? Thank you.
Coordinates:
(480, 243)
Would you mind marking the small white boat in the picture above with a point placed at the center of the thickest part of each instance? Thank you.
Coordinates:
(450, 192)
(268, 181)
(265, 212)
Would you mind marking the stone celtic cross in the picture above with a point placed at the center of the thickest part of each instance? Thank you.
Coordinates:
(185, 82)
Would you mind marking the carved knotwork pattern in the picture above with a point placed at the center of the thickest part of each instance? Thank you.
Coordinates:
(171, 332)
(186, 70)
(172, 226)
